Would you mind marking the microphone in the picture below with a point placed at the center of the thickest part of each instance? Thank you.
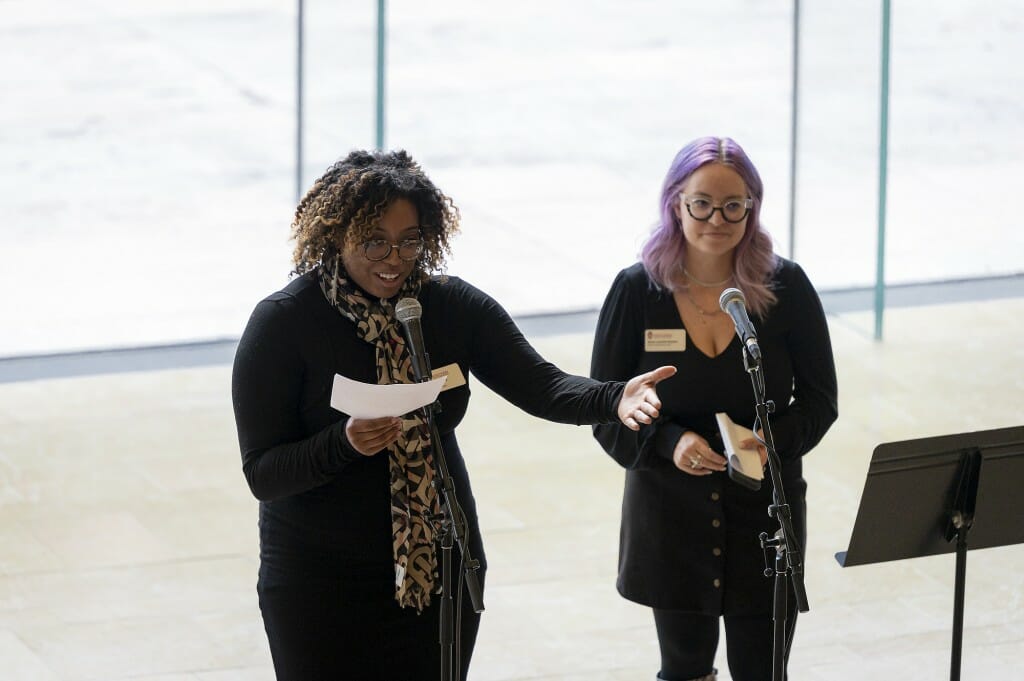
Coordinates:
(734, 304)
(408, 311)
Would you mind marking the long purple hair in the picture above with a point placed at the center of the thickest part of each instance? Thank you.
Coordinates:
(754, 261)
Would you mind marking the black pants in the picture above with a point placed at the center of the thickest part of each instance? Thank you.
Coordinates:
(688, 643)
(328, 630)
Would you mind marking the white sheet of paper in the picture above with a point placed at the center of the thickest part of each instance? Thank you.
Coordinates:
(369, 400)
(747, 461)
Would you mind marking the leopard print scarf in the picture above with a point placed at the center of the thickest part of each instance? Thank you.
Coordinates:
(414, 501)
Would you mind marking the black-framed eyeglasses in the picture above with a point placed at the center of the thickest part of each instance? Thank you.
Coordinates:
(701, 208)
(379, 249)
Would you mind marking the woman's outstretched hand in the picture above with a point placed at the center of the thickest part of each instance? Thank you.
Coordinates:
(640, 404)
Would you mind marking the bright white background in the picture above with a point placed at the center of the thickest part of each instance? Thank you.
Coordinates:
(147, 149)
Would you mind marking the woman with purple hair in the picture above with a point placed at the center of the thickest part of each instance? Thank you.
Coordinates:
(690, 546)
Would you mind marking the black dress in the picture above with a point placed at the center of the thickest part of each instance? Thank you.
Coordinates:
(691, 543)
(326, 580)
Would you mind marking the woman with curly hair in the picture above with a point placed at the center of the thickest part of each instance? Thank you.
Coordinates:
(690, 546)
(348, 582)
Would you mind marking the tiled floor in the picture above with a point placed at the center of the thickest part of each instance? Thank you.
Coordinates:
(128, 539)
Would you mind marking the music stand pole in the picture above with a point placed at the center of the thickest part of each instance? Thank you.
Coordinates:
(961, 518)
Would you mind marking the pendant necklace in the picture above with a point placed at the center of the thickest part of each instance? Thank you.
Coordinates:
(705, 284)
(703, 313)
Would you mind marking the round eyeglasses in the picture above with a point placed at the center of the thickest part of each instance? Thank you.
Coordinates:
(701, 208)
(379, 249)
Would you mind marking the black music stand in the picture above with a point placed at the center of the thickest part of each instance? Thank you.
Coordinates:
(921, 495)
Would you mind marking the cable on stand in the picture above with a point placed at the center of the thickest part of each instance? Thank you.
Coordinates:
(788, 556)
(451, 523)
(452, 528)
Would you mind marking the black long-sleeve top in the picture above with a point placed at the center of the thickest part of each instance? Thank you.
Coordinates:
(687, 542)
(325, 508)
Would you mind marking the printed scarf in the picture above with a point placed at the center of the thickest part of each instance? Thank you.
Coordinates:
(414, 500)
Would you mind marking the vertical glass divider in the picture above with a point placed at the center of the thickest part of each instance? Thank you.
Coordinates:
(299, 31)
(883, 165)
(794, 112)
(381, 33)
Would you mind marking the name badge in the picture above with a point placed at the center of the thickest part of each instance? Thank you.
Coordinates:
(452, 374)
(664, 340)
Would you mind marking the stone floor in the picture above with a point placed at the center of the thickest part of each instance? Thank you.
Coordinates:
(128, 539)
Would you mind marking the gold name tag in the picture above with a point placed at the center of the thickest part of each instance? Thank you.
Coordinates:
(664, 340)
(452, 375)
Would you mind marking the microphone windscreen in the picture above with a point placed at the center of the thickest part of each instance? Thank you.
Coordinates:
(730, 295)
(408, 309)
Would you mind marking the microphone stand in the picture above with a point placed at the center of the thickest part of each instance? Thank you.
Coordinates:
(453, 528)
(788, 559)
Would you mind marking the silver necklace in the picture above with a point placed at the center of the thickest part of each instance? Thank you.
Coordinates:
(703, 313)
(706, 284)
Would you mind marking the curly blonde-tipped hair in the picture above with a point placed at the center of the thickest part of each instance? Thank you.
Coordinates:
(347, 201)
